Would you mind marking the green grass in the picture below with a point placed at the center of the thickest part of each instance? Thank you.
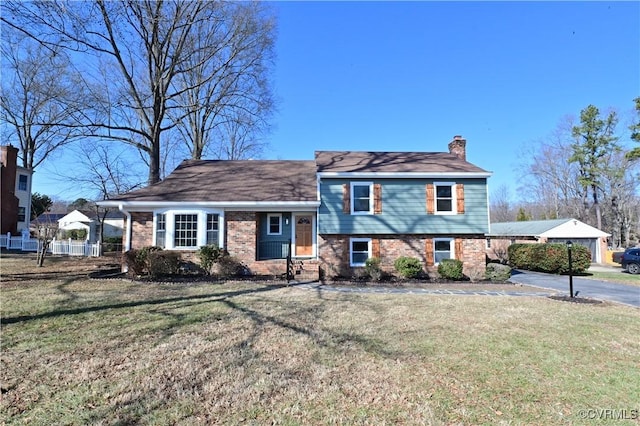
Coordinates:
(620, 276)
(113, 352)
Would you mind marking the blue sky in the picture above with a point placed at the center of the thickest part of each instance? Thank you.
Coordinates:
(408, 76)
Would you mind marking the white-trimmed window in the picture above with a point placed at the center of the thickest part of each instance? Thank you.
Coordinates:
(22, 214)
(185, 230)
(445, 202)
(361, 197)
(161, 229)
(443, 248)
(274, 224)
(22, 182)
(213, 229)
(359, 251)
(188, 229)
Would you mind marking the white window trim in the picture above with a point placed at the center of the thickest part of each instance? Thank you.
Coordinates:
(454, 201)
(26, 182)
(279, 216)
(352, 197)
(359, 240)
(452, 248)
(201, 234)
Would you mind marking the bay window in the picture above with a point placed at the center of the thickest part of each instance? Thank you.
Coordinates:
(187, 229)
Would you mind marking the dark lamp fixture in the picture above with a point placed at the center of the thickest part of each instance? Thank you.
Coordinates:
(569, 244)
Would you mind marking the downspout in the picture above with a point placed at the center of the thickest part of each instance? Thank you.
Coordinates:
(319, 182)
(127, 244)
(127, 235)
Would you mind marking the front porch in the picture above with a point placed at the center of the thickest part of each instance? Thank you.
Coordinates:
(267, 243)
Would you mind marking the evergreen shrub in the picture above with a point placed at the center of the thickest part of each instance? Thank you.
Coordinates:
(408, 267)
(450, 269)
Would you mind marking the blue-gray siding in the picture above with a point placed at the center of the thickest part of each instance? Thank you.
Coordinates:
(273, 246)
(403, 209)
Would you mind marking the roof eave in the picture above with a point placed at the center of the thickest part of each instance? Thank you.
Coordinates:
(227, 205)
(404, 175)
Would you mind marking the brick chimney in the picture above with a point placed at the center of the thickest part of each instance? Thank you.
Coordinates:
(8, 200)
(458, 147)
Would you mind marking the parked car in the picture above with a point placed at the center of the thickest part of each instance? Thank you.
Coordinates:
(617, 256)
(631, 260)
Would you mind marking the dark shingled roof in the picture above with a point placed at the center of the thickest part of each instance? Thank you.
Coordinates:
(393, 162)
(233, 181)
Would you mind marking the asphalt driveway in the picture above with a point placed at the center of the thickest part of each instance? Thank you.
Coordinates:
(590, 288)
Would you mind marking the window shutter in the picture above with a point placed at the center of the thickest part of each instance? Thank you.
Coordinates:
(458, 248)
(460, 198)
(428, 251)
(375, 248)
(431, 197)
(346, 199)
(377, 198)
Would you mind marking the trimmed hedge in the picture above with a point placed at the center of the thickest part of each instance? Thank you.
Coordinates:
(549, 257)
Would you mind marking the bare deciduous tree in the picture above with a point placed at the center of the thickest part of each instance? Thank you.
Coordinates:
(148, 48)
(500, 207)
(41, 98)
(225, 96)
(551, 182)
(558, 187)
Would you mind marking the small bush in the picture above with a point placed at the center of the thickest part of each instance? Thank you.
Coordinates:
(450, 269)
(229, 266)
(132, 260)
(408, 267)
(498, 272)
(75, 234)
(161, 263)
(112, 244)
(137, 261)
(209, 255)
(372, 267)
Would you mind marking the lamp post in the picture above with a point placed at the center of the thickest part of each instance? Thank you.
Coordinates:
(569, 245)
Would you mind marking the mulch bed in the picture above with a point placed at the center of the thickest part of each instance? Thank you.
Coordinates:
(566, 298)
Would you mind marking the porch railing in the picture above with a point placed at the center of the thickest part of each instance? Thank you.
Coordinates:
(277, 249)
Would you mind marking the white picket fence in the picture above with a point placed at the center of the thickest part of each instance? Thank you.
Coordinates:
(63, 247)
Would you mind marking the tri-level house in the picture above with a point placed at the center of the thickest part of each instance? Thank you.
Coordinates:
(329, 215)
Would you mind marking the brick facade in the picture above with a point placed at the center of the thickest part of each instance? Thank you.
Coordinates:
(141, 229)
(241, 235)
(9, 204)
(240, 242)
(334, 254)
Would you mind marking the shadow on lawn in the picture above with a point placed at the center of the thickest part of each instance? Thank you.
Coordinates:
(80, 310)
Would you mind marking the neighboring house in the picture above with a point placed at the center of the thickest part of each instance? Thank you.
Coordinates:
(504, 234)
(15, 192)
(335, 212)
(113, 224)
(45, 221)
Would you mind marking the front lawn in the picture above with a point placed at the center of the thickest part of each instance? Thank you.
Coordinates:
(616, 276)
(79, 351)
